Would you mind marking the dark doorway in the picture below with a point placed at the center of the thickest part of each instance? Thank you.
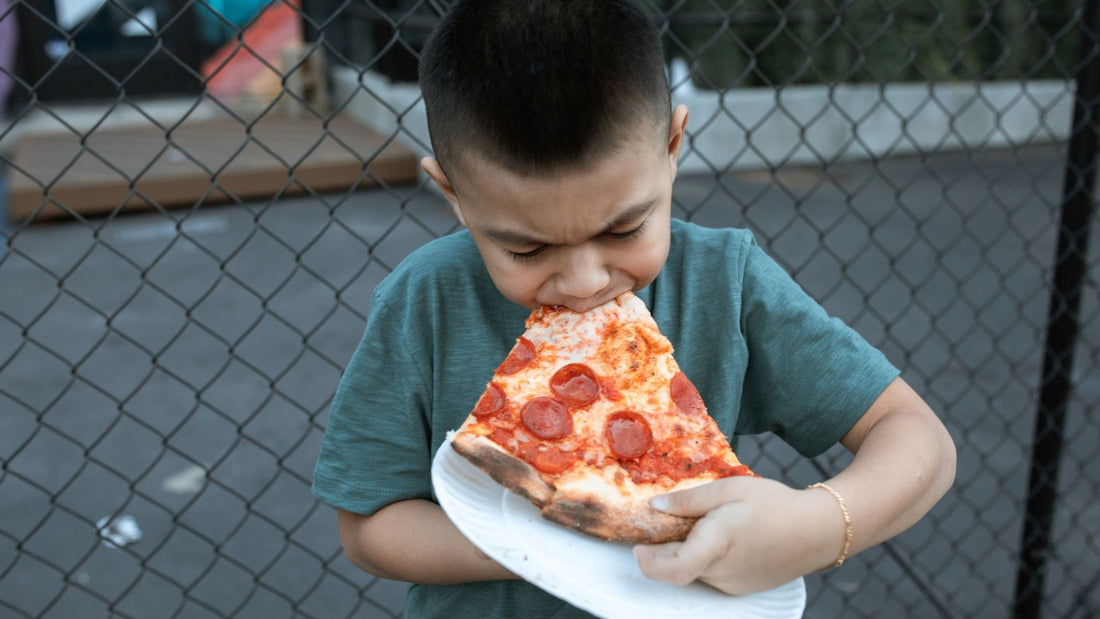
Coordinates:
(94, 49)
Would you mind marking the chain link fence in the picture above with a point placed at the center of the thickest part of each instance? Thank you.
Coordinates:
(168, 351)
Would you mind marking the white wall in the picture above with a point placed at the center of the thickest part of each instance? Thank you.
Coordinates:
(811, 125)
(797, 125)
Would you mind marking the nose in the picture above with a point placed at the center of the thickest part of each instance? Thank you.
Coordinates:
(583, 275)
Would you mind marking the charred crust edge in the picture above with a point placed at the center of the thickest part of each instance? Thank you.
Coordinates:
(506, 469)
(584, 512)
(621, 524)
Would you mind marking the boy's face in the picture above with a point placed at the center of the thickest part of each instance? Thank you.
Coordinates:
(578, 238)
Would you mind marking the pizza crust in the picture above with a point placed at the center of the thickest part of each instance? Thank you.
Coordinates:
(632, 521)
(508, 470)
(583, 499)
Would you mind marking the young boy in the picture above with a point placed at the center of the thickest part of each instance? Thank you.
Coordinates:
(557, 148)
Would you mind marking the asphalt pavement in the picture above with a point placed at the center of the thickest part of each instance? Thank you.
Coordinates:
(177, 367)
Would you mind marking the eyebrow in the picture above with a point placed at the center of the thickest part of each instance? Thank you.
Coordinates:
(515, 237)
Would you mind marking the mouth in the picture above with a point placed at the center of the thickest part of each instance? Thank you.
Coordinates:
(583, 305)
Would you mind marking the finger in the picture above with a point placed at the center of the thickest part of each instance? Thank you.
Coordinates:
(662, 563)
(679, 563)
(697, 501)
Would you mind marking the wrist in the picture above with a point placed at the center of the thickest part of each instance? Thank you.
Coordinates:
(835, 527)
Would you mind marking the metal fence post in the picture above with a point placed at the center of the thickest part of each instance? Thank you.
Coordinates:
(1062, 323)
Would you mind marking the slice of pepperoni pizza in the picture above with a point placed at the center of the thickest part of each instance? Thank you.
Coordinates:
(589, 417)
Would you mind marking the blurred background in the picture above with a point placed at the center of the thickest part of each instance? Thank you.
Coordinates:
(197, 198)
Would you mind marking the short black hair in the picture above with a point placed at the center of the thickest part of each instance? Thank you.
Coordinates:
(538, 85)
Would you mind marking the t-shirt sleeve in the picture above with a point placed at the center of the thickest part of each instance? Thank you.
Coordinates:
(376, 448)
(809, 376)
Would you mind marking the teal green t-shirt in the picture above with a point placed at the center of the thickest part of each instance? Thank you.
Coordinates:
(764, 356)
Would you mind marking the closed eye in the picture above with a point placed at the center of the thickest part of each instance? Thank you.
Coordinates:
(526, 256)
(629, 234)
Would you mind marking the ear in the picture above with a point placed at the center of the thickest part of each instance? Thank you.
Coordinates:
(432, 168)
(676, 132)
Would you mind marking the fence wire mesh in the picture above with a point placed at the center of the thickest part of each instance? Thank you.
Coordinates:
(167, 356)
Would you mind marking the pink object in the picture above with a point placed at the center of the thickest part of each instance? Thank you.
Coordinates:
(236, 65)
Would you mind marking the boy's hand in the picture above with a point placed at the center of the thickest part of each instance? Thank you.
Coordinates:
(753, 534)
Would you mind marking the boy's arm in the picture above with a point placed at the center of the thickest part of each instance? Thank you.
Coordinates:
(414, 541)
(756, 534)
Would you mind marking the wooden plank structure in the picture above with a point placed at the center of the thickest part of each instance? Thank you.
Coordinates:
(202, 161)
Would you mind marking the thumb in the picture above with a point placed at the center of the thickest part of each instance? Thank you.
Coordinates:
(697, 501)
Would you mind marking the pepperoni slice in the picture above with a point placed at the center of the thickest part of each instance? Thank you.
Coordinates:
(547, 418)
(685, 396)
(610, 390)
(628, 434)
(490, 402)
(522, 354)
(502, 436)
(546, 458)
(575, 384)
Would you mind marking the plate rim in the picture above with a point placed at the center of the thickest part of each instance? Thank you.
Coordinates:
(490, 529)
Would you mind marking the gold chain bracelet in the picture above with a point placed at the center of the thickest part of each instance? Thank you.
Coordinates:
(847, 523)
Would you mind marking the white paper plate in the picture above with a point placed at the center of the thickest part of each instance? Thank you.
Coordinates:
(600, 577)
